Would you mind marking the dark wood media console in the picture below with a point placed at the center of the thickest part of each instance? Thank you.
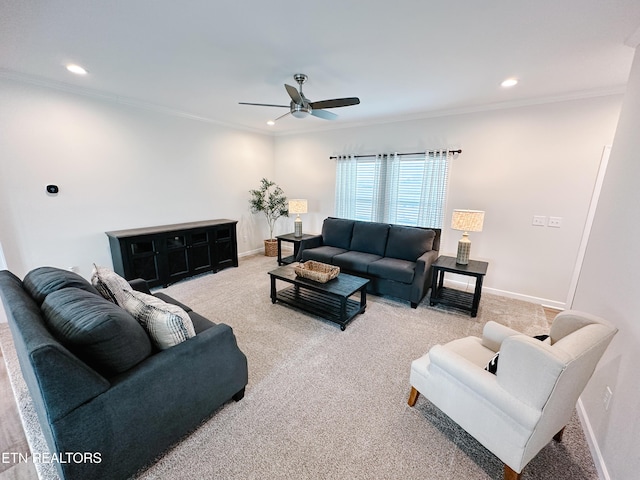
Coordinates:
(168, 253)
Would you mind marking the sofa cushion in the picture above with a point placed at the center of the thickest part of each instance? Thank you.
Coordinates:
(111, 285)
(336, 232)
(166, 324)
(357, 262)
(369, 237)
(322, 254)
(409, 243)
(100, 333)
(41, 281)
(393, 269)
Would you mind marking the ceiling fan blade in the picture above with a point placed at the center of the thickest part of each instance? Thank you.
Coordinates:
(281, 116)
(323, 114)
(263, 104)
(336, 102)
(294, 94)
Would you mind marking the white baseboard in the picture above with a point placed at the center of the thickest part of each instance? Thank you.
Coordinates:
(251, 252)
(598, 460)
(545, 302)
(256, 251)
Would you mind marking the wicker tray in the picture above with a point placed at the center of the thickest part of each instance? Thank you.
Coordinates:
(317, 271)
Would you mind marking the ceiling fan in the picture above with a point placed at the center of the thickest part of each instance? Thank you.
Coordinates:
(301, 107)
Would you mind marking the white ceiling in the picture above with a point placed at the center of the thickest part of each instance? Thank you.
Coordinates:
(403, 58)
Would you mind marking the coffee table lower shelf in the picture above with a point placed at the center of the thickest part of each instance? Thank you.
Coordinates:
(316, 303)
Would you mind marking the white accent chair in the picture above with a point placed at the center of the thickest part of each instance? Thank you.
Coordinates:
(532, 396)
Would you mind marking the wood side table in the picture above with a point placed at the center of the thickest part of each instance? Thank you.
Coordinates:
(290, 237)
(451, 296)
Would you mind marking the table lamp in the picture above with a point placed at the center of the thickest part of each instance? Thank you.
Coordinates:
(466, 221)
(297, 206)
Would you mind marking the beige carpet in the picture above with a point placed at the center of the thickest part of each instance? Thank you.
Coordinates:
(327, 404)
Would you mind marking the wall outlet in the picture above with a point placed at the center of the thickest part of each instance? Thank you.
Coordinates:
(606, 399)
(539, 221)
(555, 222)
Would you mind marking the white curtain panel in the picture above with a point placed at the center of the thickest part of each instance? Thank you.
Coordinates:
(393, 188)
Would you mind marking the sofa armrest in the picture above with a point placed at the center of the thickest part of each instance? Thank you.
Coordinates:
(422, 276)
(529, 369)
(493, 334)
(312, 242)
(63, 381)
(482, 384)
(140, 285)
(207, 353)
(155, 404)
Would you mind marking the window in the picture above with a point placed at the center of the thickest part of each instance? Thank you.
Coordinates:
(401, 189)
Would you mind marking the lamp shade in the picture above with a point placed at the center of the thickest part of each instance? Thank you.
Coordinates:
(298, 205)
(467, 220)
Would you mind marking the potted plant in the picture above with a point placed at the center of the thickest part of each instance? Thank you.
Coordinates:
(270, 200)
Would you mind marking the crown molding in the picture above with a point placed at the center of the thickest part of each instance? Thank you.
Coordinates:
(128, 102)
(581, 95)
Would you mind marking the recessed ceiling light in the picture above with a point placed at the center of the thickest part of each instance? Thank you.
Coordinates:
(77, 69)
(271, 122)
(509, 82)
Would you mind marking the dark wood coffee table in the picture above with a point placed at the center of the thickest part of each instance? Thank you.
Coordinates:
(328, 300)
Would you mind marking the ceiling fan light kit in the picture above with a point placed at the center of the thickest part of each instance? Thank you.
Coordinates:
(299, 111)
(301, 107)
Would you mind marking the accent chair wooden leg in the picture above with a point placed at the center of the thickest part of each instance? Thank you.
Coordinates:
(413, 396)
(510, 474)
(558, 436)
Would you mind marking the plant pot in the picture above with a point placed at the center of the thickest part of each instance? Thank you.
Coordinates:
(271, 247)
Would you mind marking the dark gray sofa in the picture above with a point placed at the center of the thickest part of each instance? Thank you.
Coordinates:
(122, 417)
(396, 259)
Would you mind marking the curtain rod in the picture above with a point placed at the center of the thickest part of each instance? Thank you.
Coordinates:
(400, 154)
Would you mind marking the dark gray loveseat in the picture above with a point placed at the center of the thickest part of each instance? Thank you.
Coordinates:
(120, 417)
(396, 259)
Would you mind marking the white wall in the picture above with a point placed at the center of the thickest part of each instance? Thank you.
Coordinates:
(117, 167)
(120, 167)
(516, 163)
(608, 287)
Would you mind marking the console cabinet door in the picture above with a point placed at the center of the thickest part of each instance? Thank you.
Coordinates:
(200, 256)
(144, 259)
(226, 253)
(176, 255)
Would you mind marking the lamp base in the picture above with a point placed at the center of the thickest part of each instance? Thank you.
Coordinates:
(464, 248)
(297, 227)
